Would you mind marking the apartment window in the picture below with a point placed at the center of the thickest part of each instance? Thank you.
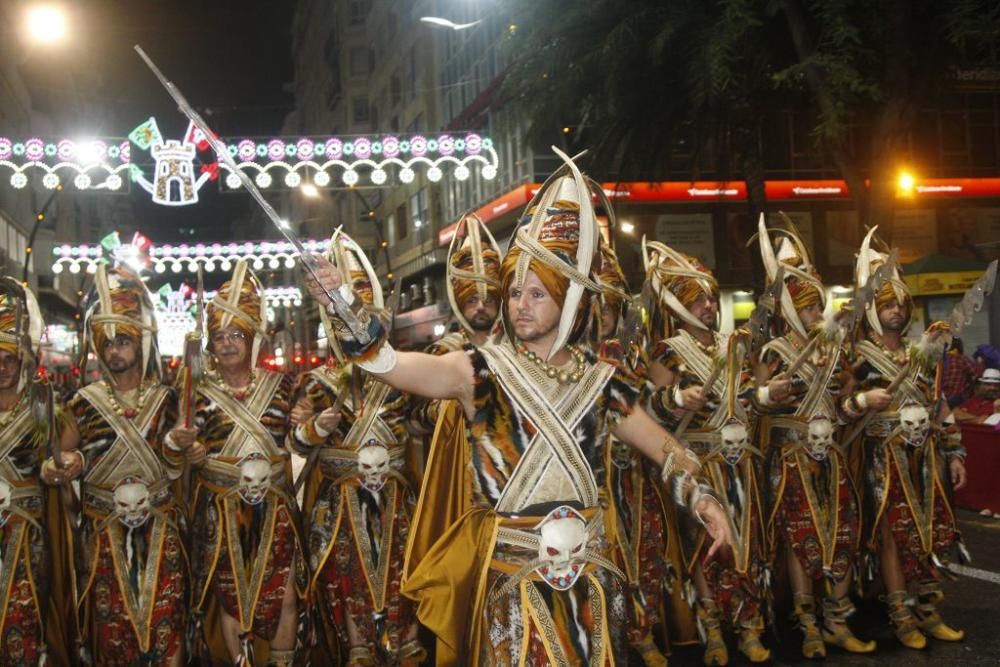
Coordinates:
(418, 120)
(359, 11)
(359, 109)
(359, 61)
(401, 222)
(390, 227)
(418, 209)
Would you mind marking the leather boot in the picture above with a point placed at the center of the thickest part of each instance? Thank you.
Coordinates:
(836, 630)
(716, 652)
(281, 658)
(360, 656)
(805, 614)
(750, 644)
(650, 653)
(906, 625)
(929, 618)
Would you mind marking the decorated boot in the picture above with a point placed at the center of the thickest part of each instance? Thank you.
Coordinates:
(906, 625)
(281, 658)
(836, 630)
(360, 656)
(929, 618)
(750, 644)
(411, 654)
(805, 614)
(716, 652)
(650, 653)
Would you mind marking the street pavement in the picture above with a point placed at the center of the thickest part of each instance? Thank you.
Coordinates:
(972, 603)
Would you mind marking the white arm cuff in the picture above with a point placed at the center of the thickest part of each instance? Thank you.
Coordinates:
(384, 362)
(169, 442)
(678, 396)
(764, 395)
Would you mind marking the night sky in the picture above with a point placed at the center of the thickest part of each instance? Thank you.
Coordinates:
(230, 59)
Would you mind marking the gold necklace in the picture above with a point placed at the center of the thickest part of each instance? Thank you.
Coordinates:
(8, 416)
(561, 376)
(241, 393)
(128, 413)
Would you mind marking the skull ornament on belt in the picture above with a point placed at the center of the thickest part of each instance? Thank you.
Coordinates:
(734, 441)
(915, 423)
(5, 495)
(820, 437)
(132, 501)
(561, 546)
(373, 465)
(255, 478)
(622, 455)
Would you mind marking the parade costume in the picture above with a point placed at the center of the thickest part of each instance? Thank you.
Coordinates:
(905, 455)
(813, 505)
(508, 559)
(24, 557)
(358, 501)
(131, 569)
(245, 544)
(719, 434)
(473, 270)
(641, 521)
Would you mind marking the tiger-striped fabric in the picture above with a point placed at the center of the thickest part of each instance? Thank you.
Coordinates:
(102, 546)
(344, 516)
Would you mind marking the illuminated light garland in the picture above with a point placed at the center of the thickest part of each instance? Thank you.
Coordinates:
(99, 163)
(186, 258)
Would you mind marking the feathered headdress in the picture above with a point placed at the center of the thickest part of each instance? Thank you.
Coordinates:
(21, 326)
(559, 242)
(677, 280)
(240, 302)
(894, 288)
(802, 283)
(473, 265)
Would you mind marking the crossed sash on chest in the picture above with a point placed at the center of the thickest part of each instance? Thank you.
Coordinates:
(130, 454)
(552, 467)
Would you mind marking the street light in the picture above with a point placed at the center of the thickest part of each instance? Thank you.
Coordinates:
(627, 228)
(46, 24)
(309, 190)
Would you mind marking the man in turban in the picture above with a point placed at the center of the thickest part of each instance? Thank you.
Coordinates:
(509, 558)
(703, 381)
(131, 570)
(814, 518)
(358, 503)
(247, 559)
(908, 464)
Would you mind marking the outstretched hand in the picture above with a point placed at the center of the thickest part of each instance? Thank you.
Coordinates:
(716, 523)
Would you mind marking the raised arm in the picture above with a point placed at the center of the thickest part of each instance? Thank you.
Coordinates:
(434, 377)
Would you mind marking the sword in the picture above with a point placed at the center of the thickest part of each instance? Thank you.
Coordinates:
(193, 367)
(343, 311)
(961, 316)
(847, 318)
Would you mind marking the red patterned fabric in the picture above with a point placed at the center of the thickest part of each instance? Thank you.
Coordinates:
(21, 631)
(917, 564)
(114, 639)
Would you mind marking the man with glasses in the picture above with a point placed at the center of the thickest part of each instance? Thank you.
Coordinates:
(247, 560)
(131, 572)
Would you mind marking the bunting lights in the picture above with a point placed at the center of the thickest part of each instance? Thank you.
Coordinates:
(172, 171)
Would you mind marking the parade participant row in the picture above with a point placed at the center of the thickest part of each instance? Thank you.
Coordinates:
(592, 473)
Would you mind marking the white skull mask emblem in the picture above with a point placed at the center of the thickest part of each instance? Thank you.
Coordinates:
(734, 441)
(255, 478)
(373, 465)
(132, 502)
(561, 547)
(820, 437)
(4, 501)
(914, 420)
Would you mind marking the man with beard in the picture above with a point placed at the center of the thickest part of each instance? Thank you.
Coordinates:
(731, 590)
(642, 525)
(473, 282)
(22, 503)
(131, 571)
(508, 557)
(247, 559)
(911, 451)
(358, 502)
(814, 520)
